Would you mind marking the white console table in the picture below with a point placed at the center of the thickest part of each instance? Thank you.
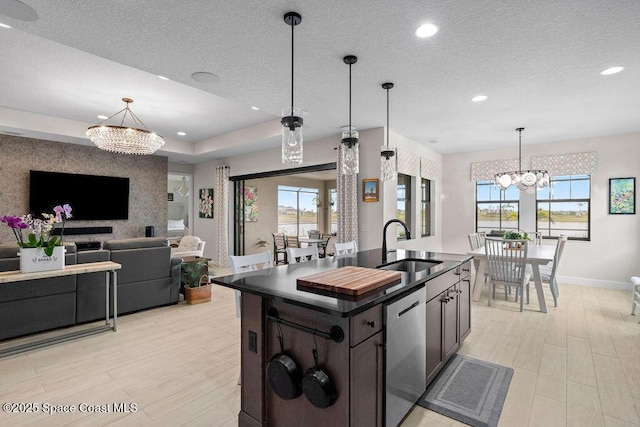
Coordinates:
(110, 268)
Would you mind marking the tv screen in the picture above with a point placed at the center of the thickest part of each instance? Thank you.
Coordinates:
(92, 197)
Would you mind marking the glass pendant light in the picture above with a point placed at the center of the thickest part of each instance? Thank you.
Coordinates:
(388, 169)
(523, 179)
(349, 153)
(291, 116)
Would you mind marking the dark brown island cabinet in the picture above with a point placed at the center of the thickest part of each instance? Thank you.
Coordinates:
(347, 333)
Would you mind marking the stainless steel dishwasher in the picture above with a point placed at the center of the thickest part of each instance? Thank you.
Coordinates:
(405, 354)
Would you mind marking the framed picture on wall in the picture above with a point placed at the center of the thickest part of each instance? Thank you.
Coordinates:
(205, 207)
(622, 196)
(250, 204)
(370, 190)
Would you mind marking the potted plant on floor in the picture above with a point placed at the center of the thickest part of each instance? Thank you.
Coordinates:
(195, 280)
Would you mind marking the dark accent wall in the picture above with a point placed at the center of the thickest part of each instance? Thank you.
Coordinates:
(147, 179)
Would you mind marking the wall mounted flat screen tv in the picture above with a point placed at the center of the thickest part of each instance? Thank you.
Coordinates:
(92, 197)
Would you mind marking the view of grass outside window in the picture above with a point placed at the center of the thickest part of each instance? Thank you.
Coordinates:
(496, 209)
(333, 226)
(404, 203)
(297, 210)
(425, 211)
(564, 207)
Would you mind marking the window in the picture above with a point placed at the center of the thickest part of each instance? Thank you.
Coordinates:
(425, 208)
(564, 207)
(297, 210)
(404, 203)
(496, 209)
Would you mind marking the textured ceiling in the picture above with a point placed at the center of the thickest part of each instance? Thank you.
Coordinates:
(538, 63)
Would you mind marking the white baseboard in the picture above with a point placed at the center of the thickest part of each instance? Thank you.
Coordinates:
(595, 283)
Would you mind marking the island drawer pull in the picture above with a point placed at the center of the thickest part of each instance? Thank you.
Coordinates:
(371, 323)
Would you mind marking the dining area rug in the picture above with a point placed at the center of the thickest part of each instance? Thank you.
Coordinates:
(469, 390)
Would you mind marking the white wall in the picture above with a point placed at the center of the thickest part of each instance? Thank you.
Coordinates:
(612, 254)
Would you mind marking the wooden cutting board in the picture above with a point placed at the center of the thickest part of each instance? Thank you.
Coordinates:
(350, 280)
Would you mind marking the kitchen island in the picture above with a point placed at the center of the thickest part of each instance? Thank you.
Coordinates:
(349, 332)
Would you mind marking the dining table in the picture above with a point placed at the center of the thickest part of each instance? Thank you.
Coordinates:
(537, 255)
(311, 241)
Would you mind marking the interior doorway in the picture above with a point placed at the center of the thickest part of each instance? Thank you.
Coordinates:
(179, 205)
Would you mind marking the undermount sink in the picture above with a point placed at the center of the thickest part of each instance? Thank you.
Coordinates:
(410, 265)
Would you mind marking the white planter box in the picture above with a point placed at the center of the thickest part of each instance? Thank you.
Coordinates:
(34, 259)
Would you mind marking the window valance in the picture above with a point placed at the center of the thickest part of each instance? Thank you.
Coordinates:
(408, 163)
(483, 171)
(585, 163)
(428, 169)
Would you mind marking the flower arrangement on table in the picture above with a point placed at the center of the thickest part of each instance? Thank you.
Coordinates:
(39, 229)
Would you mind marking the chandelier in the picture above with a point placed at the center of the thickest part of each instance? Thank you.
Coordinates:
(523, 179)
(125, 139)
(387, 153)
(292, 117)
(349, 153)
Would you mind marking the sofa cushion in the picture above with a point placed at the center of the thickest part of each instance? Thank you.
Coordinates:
(135, 243)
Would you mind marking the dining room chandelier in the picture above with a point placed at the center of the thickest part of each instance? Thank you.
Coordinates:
(349, 153)
(292, 117)
(523, 179)
(387, 153)
(125, 139)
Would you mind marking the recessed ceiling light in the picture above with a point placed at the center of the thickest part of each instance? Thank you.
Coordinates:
(4, 25)
(181, 133)
(163, 78)
(102, 117)
(255, 108)
(204, 77)
(426, 30)
(479, 98)
(612, 70)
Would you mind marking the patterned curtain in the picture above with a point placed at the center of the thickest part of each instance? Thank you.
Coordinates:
(347, 188)
(221, 216)
(481, 171)
(408, 163)
(429, 169)
(585, 163)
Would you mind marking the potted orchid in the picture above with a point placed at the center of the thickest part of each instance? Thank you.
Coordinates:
(40, 246)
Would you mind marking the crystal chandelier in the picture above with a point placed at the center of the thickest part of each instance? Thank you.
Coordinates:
(387, 153)
(349, 153)
(125, 139)
(292, 117)
(523, 179)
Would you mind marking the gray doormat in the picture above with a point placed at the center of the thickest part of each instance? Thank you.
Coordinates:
(469, 390)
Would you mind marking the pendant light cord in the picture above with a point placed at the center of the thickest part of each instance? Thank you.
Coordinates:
(387, 118)
(349, 100)
(292, 53)
(520, 149)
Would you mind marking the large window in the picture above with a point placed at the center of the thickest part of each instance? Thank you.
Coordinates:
(496, 209)
(404, 203)
(425, 208)
(297, 210)
(564, 207)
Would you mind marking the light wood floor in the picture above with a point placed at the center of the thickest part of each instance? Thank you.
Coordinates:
(577, 365)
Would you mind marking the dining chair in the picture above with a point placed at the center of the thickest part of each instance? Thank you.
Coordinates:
(292, 242)
(635, 295)
(243, 263)
(322, 246)
(314, 234)
(506, 261)
(279, 248)
(296, 255)
(535, 237)
(477, 240)
(548, 272)
(345, 249)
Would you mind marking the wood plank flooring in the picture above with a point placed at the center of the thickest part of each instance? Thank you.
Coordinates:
(578, 365)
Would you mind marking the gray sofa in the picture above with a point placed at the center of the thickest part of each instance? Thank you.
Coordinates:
(35, 305)
(149, 278)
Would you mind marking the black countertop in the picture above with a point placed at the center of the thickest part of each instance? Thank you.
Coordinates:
(279, 283)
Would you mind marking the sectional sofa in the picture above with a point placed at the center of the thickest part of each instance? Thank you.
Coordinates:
(149, 278)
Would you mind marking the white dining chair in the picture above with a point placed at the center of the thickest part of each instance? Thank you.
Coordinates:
(548, 272)
(244, 263)
(506, 261)
(477, 240)
(635, 295)
(535, 237)
(296, 255)
(345, 249)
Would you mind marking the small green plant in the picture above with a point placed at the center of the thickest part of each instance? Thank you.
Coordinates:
(516, 235)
